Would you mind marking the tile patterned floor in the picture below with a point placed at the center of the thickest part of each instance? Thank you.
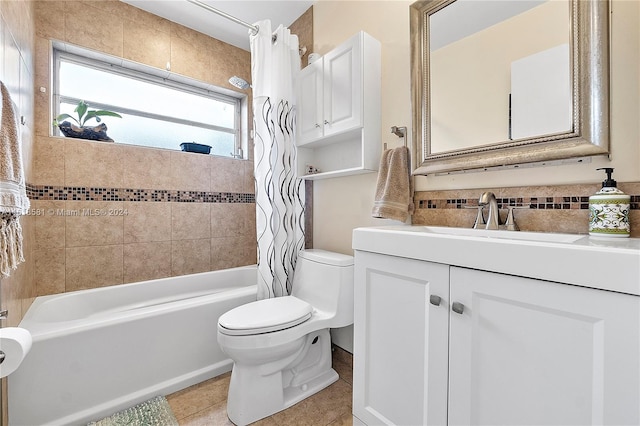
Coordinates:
(205, 404)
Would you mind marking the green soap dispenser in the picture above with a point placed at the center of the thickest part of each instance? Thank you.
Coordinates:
(609, 210)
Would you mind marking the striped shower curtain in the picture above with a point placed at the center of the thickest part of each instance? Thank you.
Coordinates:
(275, 63)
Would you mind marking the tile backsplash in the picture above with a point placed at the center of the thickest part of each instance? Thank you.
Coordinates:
(561, 208)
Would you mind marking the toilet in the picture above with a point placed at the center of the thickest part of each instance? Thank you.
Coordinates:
(281, 347)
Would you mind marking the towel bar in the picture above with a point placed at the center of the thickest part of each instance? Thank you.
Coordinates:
(400, 132)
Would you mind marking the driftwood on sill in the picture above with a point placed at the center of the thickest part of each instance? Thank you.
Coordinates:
(94, 133)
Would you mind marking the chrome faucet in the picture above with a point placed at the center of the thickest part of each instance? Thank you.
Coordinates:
(493, 220)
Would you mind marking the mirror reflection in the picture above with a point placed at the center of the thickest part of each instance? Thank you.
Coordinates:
(508, 82)
(488, 72)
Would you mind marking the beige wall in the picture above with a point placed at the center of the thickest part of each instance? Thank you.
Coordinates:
(342, 204)
(150, 239)
(470, 79)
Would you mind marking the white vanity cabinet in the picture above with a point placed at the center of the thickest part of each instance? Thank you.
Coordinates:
(338, 116)
(400, 340)
(497, 349)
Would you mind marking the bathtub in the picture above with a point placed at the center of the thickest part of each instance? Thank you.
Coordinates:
(99, 351)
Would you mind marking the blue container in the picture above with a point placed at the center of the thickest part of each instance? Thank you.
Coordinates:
(195, 147)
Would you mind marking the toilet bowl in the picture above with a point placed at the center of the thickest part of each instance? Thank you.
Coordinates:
(281, 347)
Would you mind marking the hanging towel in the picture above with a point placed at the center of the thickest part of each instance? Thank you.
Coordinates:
(394, 192)
(13, 196)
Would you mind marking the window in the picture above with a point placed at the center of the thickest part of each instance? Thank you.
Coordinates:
(158, 108)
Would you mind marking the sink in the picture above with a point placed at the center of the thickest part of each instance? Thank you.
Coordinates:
(509, 235)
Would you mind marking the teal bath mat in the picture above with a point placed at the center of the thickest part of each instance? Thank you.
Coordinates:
(154, 412)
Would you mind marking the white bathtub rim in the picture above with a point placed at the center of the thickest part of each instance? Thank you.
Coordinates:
(157, 283)
(41, 330)
(44, 331)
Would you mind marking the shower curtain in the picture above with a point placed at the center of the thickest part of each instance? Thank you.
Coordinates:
(275, 63)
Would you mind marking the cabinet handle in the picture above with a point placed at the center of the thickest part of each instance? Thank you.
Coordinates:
(317, 126)
(326, 122)
(435, 300)
(457, 307)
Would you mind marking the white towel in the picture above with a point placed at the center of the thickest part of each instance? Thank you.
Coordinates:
(394, 191)
(13, 196)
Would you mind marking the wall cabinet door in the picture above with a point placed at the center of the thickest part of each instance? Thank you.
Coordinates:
(310, 106)
(330, 94)
(400, 340)
(525, 351)
(343, 87)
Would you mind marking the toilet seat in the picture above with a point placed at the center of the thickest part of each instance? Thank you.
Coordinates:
(265, 316)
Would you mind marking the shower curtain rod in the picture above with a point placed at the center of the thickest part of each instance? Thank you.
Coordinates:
(254, 29)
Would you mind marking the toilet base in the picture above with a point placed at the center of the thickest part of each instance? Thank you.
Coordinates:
(293, 395)
(257, 391)
(242, 416)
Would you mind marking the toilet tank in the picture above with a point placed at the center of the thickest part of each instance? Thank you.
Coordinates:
(325, 280)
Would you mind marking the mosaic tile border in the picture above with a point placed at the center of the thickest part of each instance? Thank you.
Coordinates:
(73, 193)
(534, 203)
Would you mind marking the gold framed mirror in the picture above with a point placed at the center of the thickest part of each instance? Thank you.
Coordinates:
(508, 82)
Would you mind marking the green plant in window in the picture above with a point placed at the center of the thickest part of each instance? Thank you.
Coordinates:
(85, 114)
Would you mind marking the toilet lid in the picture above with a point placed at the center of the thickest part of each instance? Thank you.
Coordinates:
(265, 316)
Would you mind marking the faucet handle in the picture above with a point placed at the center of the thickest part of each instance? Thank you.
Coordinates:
(479, 216)
(511, 221)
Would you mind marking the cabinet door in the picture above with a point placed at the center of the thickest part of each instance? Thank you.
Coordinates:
(343, 87)
(309, 89)
(533, 352)
(400, 341)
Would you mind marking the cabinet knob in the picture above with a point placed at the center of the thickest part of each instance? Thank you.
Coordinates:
(317, 126)
(435, 300)
(457, 307)
(326, 122)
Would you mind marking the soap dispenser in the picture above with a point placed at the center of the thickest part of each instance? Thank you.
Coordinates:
(609, 210)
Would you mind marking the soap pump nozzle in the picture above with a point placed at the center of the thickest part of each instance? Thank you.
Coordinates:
(609, 182)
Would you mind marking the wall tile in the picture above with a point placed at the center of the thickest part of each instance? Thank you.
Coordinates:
(231, 220)
(190, 221)
(227, 174)
(190, 172)
(229, 252)
(190, 256)
(17, 49)
(92, 224)
(147, 261)
(558, 208)
(189, 54)
(93, 164)
(134, 16)
(49, 17)
(49, 271)
(93, 28)
(144, 235)
(249, 178)
(42, 125)
(109, 7)
(303, 28)
(48, 161)
(147, 221)
(49, 224)
(92, 267)
(146, 168)
(225, 61)
(146, 45)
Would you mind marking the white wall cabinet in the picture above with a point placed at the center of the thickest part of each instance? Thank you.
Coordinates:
(339, 110)
(437, 344)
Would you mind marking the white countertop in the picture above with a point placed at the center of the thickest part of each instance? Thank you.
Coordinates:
(596, 262)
